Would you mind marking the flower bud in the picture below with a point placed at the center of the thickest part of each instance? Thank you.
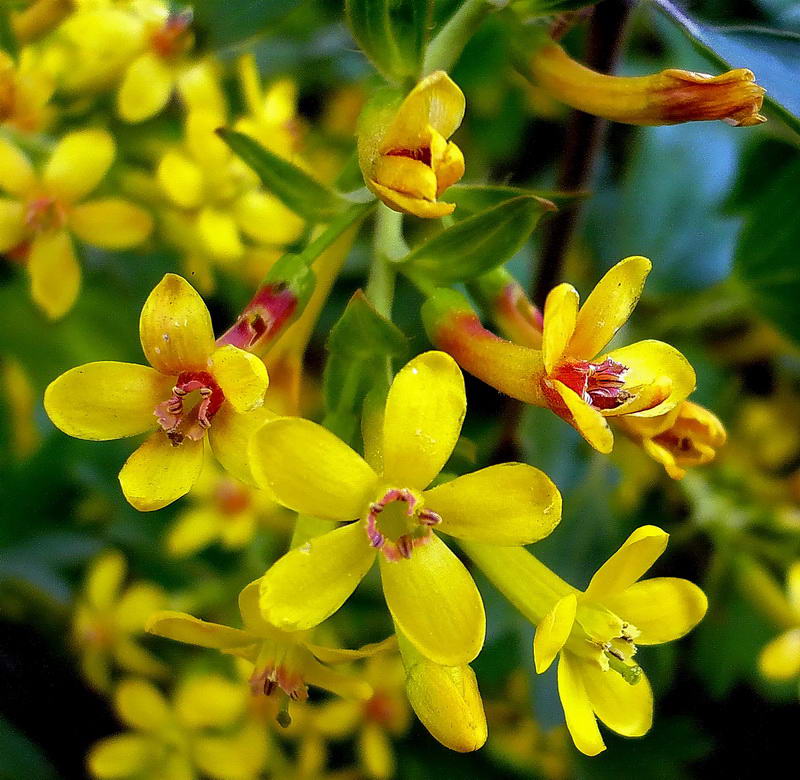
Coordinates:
(666, 98)
(403, 150)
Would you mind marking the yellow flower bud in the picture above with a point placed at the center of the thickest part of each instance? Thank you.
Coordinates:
(666, 98)
(403, 150)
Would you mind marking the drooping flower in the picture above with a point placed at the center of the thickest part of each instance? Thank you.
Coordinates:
(595, 632)
(108, 620)
(286, 661)
(568, 375)
(203, 731)
(780, 658)
(666, 98)
(193, 388)
(403, 150)
(430, 594)
(40, 213)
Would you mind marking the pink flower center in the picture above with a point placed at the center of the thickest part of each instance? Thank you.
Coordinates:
(397, 523)
(188, 412)
(45, 213)
(599, 384)
(172, 38)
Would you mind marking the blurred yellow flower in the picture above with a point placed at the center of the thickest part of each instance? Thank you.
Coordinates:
(107, 620)
(403, 151)
(41, 213)
(25, 92)
(202, 732)
(780, 659)
(21, 401)
(430, 594)
(193, 387)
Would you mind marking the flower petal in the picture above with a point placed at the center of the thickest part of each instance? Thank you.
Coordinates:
(424, 412)
(650, 361)
(122, 756)
(175, 327)
(138, 602)
(78, 163)
(624, 708)
(578, 711)
(242, 377)
(237, 756)
(181, 179)
(230, 436)
(265, 219)
(140, 705)
(106, 400)
(793, 586)
(159, 473)
(110, 223)
(219, 235)
(192, 530)
(12, 223)
(553, 632)
(507, 504)
(104, 579)
(375, 751)
(145, 89)
(637, 554)
(586, 420)
(340, 683)
(409, 204)
(662, 608)
(209, 700)
(560, 316)
(135, 659)
(309, 583)
(340, 655)
(780, 658)
(193, 631)
(609, 306)
(310, 470)
(16, 172)
(435, 603)
(55, 273)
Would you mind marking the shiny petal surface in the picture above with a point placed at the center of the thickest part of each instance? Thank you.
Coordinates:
(578, 710)
(16, 172)
(406, 176)
(237, 756)
(12, 223)
(507, 504)
(662, 608)
(209, 701)
(780, 658)
(78, 163)
(624, 708)
(241, 375)
(553, 631)
(193, 631)
(339, 655)
(637, 554)
(586, 420)
(424, 412)
(140, 705)
(175, 328)
(111, 223)
(609, 306)
(409, 204)
(560, 316)
(309, 583)
(158, 473)
(121, 756)
(343, 684)
(310, 470)
(106, 400)
(435, 603)
(145, 89)
(230, 436)
(55, 273)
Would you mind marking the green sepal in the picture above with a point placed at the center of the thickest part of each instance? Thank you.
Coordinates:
(476, 244)
(292, 272)
(302, 193)
(392, 34)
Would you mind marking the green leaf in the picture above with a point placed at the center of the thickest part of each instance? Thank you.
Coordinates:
(8, 40)
(772, 55)
(362, 332)
(478, 243)
(766, 256)
(392, 33)
(299, 191)
(222, 23)
(472, 198)
(21, 756)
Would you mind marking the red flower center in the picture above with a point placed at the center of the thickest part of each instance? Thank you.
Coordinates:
(45, 213)
(188, 412)
(599, 384)
(403, 525)
(172, 38)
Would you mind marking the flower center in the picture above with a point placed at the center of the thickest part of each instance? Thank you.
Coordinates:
(173, 37)
(195, 399)
(45, 213)
(422, 155)
(599, 384)
(231, 497)
(279, 665)
(380, 709)
(398, 522)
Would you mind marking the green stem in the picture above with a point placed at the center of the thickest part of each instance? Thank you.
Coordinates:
(335, 229)
(389, 246)
(445, 49)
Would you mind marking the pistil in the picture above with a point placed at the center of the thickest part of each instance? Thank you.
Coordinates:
(412, 531)
(179, 424)
(601, 385)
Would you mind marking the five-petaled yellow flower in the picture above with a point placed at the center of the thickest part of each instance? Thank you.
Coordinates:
(282, 660)
(193, 387)
(430, 594)
(780, 658)
(403, 151)
(39, 214)
(203, 732)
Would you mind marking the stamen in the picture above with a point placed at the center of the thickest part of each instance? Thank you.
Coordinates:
(404, 542)
(179, 424)
(599, 384)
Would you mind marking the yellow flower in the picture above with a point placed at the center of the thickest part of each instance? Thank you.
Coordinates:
(193, 387)
(21, 405)
(202, 732)
(430, 594)
(780, 659)
(645, 379)
(226, 510)
(107, 621)
(596, 631)
(285, 660)
(40, 213)
(688, 435)
(25, 91)
(665, 98)
(403, 151)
